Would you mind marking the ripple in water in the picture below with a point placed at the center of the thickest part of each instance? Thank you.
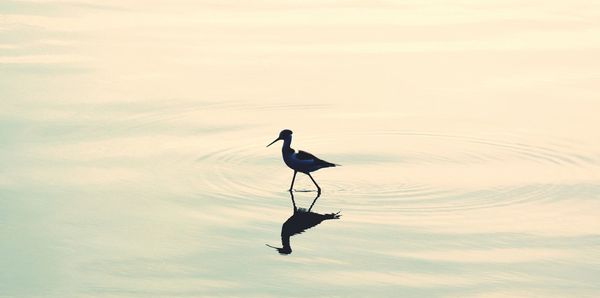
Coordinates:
(251, 171)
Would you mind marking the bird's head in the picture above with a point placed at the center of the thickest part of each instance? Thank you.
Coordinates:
(282, 250)
(284, 134)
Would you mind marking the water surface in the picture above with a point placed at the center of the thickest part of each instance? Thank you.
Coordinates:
(132, 145)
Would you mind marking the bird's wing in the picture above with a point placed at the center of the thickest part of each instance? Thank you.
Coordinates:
(303, 155)
(302, 221)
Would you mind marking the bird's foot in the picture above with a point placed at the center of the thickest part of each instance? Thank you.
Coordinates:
(306, 190)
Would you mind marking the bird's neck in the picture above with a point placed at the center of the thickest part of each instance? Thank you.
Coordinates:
(285, 242)
(286, 144)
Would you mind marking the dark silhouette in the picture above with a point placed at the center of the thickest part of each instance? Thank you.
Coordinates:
(302, 161)
(299, 222)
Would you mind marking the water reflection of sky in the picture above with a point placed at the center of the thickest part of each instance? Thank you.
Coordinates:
(133, 162)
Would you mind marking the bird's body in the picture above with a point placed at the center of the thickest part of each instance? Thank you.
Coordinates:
(300, 161)
(300, 221)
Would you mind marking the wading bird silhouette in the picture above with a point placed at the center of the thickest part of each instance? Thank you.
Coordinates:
(301, 161)
(300, 221)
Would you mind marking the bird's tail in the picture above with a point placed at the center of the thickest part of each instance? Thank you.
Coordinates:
(333, 215)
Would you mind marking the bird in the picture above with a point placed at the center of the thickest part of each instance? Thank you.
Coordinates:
(300, 161)
(300, 221)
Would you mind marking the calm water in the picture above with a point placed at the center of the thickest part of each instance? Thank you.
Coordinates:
(133, 159)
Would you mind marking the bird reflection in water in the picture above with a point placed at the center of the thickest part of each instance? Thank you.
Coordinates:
(299, 222)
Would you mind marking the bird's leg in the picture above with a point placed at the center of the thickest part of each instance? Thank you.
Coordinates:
(293, 178)
(314, 201)
(315, 182)
(293, 202)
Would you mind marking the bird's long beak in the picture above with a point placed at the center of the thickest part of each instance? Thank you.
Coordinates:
(274, 142)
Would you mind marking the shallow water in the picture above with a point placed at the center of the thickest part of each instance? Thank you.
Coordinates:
(134, 162)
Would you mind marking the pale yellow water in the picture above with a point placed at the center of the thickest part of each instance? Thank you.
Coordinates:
(133, 159)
